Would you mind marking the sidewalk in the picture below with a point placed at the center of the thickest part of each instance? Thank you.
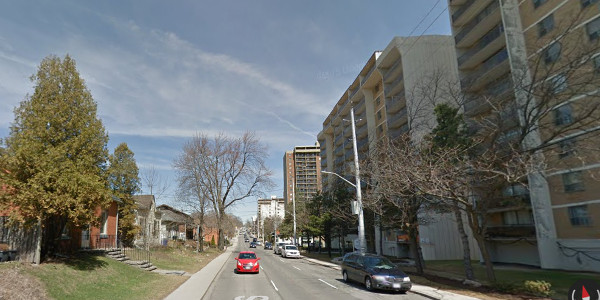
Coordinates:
(425, 291)
(197, 285)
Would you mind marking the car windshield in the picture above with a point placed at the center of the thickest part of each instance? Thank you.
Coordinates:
(379, 262)
(247, 256)
(291, 248)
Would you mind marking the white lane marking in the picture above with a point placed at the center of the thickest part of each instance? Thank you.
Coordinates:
(281, 260)
(327, 283)
(297, 268)
(261, 267)
(273, 283)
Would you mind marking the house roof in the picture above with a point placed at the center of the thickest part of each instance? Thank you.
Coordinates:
(171, 214)
(144, 201)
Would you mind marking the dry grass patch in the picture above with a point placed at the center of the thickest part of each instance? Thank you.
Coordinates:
(17, 284)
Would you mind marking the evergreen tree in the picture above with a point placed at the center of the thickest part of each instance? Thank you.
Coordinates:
(56, 154)
(124, 181)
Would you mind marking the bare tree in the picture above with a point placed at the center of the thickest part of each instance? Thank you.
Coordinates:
(154, 182)
(229, 171)
(191, 190)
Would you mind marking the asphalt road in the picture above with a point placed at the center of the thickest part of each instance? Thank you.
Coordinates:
(281, 278)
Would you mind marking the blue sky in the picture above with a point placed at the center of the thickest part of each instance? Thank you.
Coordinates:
(161, 71)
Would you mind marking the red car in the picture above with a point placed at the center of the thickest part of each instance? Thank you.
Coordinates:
(247, 262)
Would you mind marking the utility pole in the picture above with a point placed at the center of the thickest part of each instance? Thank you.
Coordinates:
(294, 206)
(361, 221)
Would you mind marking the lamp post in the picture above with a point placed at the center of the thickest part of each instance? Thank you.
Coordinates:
(294, 208)
(361, 220)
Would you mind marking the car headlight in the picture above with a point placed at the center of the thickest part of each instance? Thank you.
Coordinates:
(379, 277)
(406, 279)
(239, 263)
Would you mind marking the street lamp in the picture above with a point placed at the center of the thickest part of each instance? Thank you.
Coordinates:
(361, 220)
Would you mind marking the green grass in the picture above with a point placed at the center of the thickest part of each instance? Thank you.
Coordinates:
(184, 259)
(98, 277)
(507, 275)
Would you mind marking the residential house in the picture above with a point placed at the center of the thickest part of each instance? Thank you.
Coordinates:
(148, 219)
(175, 224)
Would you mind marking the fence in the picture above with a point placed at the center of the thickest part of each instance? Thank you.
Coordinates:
(136, 254)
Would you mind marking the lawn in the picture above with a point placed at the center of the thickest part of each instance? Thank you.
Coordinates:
(89, 276)
(180, 258)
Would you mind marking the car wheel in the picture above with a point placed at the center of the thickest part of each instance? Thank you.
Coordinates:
(368, 283)
(345, 276)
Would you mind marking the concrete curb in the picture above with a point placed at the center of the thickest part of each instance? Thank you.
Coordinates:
(323, 263)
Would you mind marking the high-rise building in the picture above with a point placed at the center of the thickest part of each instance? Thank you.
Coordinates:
(387, 100)
(269, 208)
(302, 178)
(541, 57)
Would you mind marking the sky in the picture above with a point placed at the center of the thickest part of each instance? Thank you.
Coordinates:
(163, 71)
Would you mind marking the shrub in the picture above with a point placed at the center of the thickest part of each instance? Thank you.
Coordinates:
(212, 241)
(538, 288)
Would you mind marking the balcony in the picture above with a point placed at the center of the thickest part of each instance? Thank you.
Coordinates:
(389, 87)
(368, 75)
(352, 93)
(348, 132)
(361, 132)
(392, 69)
(511, 231)
(482, 23)
(339, 161)
(493, 93)
(362, 143)
(338, 139)
(395, 103)
(348, 144)
(492, 68)
(360, 106)
(468, 10)
(488, 44)
(397, 133)
(397, 120)
(361, 119)
(338, 150)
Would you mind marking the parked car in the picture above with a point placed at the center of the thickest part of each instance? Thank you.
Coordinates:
(290, 251)
(252, 245)
(247, 262)
(246, 240)
(277, 248)
(376, 272)
(268, 246)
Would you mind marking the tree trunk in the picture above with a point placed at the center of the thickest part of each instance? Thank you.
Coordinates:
(414, 243)
(479, 235)
(465, 243)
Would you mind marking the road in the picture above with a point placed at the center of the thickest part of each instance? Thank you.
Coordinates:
(281, 278)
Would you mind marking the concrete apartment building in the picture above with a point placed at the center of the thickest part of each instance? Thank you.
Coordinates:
(385, 99)
(302, 178)
(502, 47)
(269, 208)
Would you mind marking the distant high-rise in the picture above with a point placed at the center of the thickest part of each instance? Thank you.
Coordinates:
(302, 178)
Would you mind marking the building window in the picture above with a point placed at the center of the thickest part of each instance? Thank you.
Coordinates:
(377, 102)
(104, 222)
(593, 29)
(558, 83)
(586, 3)
(545, 25)
(563, 115)
(552, 53)
(579, 215)
(521, 217)
(537, 3)
(378, 115)
(567, 148)
(573, 182)
(66, 232)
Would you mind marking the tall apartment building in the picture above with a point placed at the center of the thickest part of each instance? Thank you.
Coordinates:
(510, 50)
(302, 178)
(385, 97)
(269, 208)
